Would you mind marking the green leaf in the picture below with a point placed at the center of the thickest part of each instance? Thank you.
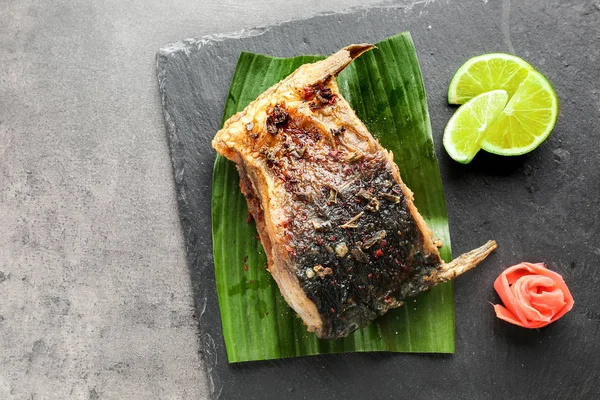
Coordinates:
(385, 88)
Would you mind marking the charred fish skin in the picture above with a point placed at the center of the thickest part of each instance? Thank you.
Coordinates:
(355, 246)
(344, 241)
(376, 262)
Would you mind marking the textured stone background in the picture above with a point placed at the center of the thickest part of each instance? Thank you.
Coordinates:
(95, 296)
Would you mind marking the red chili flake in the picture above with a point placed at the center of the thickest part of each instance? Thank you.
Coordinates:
(250, 282)
(357, 199)
(361, 288)
(332, 99)
(404, 268)
(396, 190)
(383, 243)
(319, 239)
(245, 267)
(370, 276)
(332, 309)
(378, 253)
(349, 269)
(249, 219)
(332, 238)
(397, 261)
(387, 299)
(308, 93)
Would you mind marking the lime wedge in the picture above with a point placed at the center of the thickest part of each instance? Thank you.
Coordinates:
(527, 119)
(468, 126)
(487, 72)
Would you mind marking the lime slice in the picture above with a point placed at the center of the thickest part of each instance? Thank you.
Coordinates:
(468, 126)
(487, 72)
(527, 119)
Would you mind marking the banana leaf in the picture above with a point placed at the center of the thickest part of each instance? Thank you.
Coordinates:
(385, 88)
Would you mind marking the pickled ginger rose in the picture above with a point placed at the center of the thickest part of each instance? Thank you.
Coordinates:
(533, 296)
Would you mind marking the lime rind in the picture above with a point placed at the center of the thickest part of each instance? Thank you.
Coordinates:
(475, 76)
(468, 126)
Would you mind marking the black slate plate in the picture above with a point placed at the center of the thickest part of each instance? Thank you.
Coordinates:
(539, 207)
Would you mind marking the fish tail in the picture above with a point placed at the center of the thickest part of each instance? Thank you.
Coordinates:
(465, 262)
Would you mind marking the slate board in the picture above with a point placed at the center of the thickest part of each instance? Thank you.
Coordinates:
(539, 207)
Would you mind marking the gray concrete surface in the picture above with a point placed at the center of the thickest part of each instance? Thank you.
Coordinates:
(95, 296)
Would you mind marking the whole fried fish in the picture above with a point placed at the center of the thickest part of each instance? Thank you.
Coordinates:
(344, 241)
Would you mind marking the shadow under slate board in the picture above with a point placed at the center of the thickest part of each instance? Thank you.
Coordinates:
(539, 207)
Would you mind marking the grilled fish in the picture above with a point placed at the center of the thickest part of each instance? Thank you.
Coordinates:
(344, 241)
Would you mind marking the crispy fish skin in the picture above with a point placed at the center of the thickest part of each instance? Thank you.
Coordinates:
(343, 238)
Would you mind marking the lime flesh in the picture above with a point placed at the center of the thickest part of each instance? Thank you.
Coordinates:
(485, 73)
(526, 121)
(469, 124)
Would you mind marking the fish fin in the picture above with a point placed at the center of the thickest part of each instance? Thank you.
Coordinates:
(322, 71)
